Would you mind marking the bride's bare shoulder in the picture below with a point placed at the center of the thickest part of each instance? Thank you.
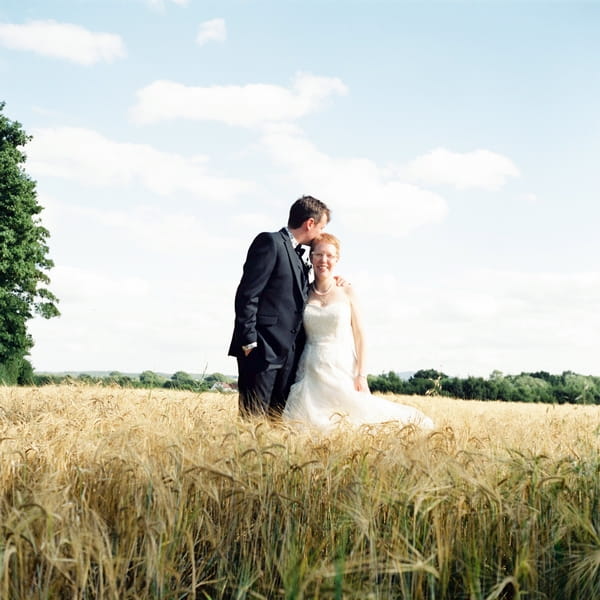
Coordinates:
(349, 292)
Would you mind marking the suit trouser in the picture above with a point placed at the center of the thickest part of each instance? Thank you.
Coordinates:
(263, 388)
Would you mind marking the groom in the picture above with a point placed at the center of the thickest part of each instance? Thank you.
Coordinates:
(269, 302)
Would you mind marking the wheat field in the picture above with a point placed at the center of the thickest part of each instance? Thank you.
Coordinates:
(122, 493)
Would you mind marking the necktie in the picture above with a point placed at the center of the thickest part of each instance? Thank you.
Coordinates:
(300, 251)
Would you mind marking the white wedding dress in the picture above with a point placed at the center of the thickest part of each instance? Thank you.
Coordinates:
(324, 395)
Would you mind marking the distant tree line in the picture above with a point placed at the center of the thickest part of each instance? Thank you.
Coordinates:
(147, 379)
(540, 386)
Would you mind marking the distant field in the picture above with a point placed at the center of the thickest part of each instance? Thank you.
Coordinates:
(120, 493)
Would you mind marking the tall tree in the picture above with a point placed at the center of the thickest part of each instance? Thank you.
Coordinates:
(23, 255)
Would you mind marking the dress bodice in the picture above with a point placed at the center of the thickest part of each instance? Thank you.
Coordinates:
(328, 324)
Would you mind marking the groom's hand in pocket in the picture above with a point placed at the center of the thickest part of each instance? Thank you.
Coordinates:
(247, 349)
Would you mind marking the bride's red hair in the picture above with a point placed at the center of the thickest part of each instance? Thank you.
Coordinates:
(326, 238)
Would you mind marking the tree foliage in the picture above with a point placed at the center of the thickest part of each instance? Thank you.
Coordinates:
(151, 379)
(24, 258)
(541, 386)
(180, 380)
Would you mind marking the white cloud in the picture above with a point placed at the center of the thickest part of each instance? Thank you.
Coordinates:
(166, 324)
(165, 233)
(160, 4)
(245, 106)
(87, 156)
(63, 40)
(530, 198)
(211, 31)
(356, 185)
(477, 169)
(486, 319)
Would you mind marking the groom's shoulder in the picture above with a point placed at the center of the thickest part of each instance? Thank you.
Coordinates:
(271, 239)
(270, 236)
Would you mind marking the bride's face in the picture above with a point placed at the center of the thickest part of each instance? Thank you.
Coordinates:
(324, 258)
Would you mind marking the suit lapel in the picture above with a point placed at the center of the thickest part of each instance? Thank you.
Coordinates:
(295, 261)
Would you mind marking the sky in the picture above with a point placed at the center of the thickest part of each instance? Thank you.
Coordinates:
(457, 144)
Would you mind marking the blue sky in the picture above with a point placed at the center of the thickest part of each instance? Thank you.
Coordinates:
(457, 144)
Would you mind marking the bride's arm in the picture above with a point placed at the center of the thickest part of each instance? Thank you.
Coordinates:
(360, 375)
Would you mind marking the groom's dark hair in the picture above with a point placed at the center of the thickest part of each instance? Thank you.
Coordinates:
(305, 208)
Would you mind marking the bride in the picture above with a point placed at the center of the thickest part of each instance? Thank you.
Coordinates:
(331, 383)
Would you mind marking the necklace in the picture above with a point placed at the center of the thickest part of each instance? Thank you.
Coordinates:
(316, 291)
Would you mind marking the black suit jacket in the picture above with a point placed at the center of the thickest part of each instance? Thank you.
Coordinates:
(270, 299)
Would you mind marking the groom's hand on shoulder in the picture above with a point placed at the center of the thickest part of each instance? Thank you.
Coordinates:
(340, 281)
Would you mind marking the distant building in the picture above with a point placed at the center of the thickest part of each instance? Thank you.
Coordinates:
(223, 386)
